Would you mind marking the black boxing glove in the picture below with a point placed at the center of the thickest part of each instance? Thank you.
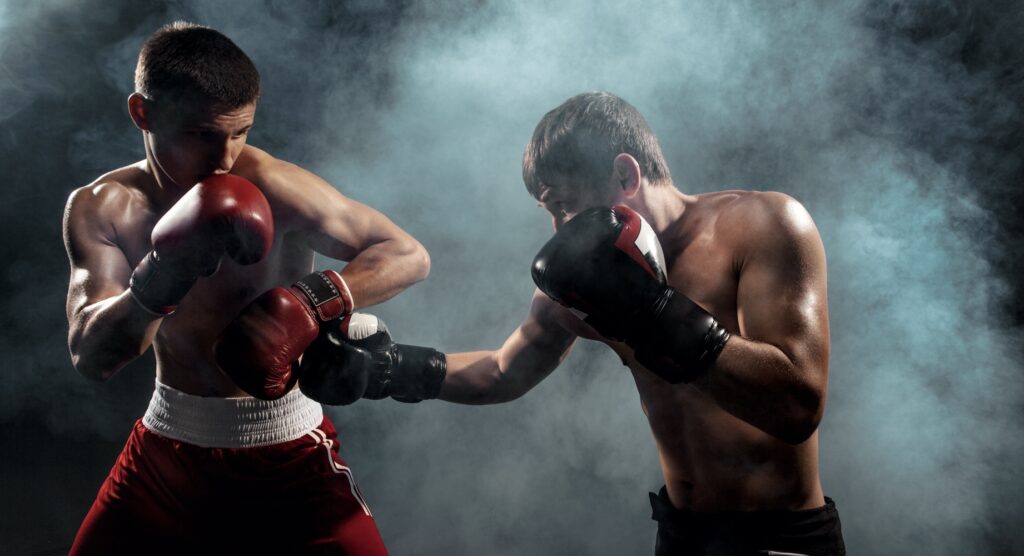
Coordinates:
(356, 358)
(607, 264)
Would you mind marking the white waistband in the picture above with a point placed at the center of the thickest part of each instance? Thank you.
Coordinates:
(230, 422)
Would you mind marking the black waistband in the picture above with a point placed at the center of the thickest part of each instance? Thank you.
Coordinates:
(663, 510)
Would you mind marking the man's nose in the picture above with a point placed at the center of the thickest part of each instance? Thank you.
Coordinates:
(222, 158)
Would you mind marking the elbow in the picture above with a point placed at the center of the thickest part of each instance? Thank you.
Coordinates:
(90, 368)
(96, 365)
(420, 262)
(84, 362)
(503, 395)
(803, 422)
(798, 431)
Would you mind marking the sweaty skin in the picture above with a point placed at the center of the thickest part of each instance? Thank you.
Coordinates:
(744, 436)
(107, 226)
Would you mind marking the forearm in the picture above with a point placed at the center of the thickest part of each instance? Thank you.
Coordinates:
(758, 383)
(109, 334)
(476, 378)
(384, 269)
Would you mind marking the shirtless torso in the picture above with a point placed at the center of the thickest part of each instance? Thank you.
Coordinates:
(107, 230)
(204, 452)
(711, 459)
(753, 260)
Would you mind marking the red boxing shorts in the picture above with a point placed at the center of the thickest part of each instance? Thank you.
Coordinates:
(230, 476)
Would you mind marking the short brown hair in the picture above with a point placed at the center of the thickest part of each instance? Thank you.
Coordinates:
(184, 62)
(581, 138)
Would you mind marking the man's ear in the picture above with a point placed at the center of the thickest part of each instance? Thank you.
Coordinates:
(139, 111)
(626, 174)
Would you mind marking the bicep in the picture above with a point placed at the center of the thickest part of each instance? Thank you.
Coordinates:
(335, 225)
(99, 269)
(781, 297)
(537, 346)
(348, 227)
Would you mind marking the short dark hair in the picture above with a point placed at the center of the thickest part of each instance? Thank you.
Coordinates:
(187, 62)
(581, 138)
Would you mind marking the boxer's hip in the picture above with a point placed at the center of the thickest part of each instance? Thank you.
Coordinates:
(230, 422)
(815, 531)
(196, 471)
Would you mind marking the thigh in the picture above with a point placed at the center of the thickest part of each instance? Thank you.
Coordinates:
(336, 517)
(309, 497)
(133, 512)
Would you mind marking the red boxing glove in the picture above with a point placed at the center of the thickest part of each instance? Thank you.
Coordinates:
(220, 215)
(260, 350)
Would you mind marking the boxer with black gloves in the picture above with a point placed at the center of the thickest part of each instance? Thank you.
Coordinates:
(726, 336)
(198, 243)
(608, 263)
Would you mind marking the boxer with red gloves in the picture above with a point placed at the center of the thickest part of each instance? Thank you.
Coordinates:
(199, 243)
(221, 215)
(726, 335)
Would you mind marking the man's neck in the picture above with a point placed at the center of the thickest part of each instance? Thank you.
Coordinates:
(161, 189)
(663, 206)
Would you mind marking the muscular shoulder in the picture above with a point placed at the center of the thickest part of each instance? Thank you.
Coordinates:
(99, 207)
(767, 223)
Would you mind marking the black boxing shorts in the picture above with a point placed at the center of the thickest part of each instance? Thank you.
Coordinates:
(813, 532)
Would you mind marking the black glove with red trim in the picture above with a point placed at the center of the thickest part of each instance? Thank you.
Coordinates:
(607, 265)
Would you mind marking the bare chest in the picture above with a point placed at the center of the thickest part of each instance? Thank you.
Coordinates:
(184, 341)
(705, 271)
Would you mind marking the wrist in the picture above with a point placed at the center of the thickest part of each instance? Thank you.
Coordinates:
(680, 341)
(157, 290)
(418, 373)
(327, 293)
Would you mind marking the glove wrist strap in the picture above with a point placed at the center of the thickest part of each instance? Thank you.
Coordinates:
(418, 373)
(682, 341)
(327, 293)
(156, 290)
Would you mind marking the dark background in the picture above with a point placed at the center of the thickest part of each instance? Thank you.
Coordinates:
(898, 124)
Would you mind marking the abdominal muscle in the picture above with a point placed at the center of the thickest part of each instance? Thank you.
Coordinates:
(713, 461)
(184, 344)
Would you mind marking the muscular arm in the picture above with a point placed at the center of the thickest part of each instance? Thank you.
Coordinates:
(382, 258)
(774, 373)
(107, 328)
(533, 350)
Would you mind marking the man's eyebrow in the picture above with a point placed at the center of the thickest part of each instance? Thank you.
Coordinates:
(212, 127)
